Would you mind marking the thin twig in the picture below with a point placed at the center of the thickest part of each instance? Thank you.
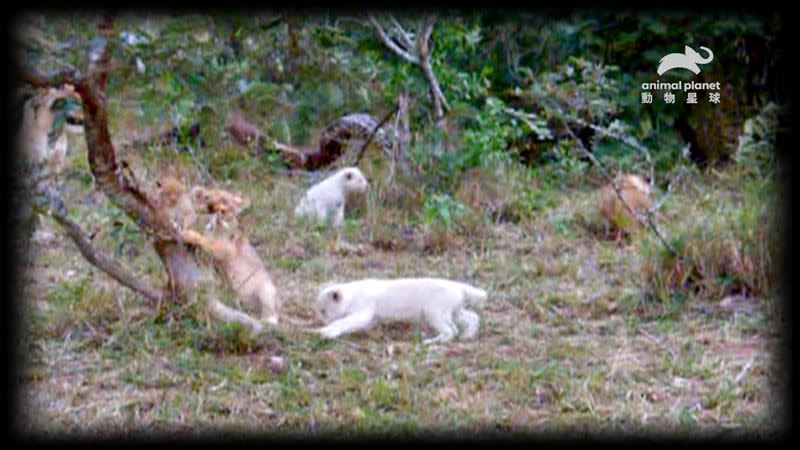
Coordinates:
(609, 134)
(204, 170)
(659, 343)
(387, 41)
(657, 206)
(524, 117)
(351, 19)
(404, 35)
(626, 140)
(69, 76)
(375, 130)
(604, 173)
(744, 370)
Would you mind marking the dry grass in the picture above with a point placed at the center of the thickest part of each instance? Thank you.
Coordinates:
(726, 242)
(562, 346)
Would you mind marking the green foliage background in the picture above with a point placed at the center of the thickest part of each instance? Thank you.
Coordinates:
(293, 74)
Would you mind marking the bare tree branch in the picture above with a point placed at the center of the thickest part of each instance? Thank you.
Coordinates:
(401, 127)
(55, 208)
(648, 220)
(351, 19)
(423, 49)
(658, 342)
(372, 134)
(605, 132)
(114, 182)
(648, 217)
(439, 102)
(331, 142)
(119, 185)
(427, 28)
(657, 206)
(102, 161)
(390, 44)
(402, 33)
(420, 56)
(69, 76)
(526, 118)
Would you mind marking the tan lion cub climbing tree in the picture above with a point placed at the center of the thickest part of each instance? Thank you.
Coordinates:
(236, 259)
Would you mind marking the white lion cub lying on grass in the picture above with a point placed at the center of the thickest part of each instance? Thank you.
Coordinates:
(326, 199)
(353, 306)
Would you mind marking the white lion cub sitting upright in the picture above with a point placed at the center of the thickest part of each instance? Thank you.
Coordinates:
(325, 200)
(353, 306)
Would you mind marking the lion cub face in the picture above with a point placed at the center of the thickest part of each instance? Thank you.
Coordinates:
(174, 201)
(331, 304)
(218, 201)
(170, 189)
(353, 180)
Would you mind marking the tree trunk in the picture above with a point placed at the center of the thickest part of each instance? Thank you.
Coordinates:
(423, 50)
(403, 135)
(436, 91)
(183, 272)
(121, 188)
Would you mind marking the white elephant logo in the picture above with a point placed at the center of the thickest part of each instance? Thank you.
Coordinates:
(688, 60)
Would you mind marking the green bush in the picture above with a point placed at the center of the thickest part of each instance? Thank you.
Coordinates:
(730, 249)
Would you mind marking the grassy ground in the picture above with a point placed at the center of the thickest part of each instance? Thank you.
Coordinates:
(568, 340)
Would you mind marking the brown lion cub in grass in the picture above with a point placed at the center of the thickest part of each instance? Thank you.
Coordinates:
(174, 200)
(635, 192)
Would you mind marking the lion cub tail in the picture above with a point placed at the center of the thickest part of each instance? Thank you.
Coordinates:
(473, 295)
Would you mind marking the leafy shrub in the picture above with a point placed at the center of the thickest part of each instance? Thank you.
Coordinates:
(728, 250)
(443, 209)
(755, 152)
